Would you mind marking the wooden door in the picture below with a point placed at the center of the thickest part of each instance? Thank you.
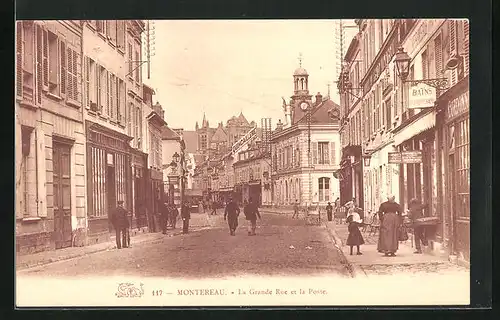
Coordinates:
(62, 194)
(111, 192)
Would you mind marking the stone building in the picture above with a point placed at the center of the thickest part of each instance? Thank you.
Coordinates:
(306, 150)
(399, 126)
(251, 174)
(114, 118)
(50, 160)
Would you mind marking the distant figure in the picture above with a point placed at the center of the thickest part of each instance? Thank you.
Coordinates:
(165, 212)
(355, 238)
(251, 214)
(214, 208)
(416, 211)
(120, 222)
(185, 215)
(295, 209)
(174, 213)
(232, 212)
(329, 211)
(390, 220)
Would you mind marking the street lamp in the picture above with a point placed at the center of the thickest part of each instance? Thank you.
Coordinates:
(403, 60)
(366, 160)
(176, 157)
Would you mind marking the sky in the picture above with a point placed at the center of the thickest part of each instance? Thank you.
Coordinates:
(224, 67)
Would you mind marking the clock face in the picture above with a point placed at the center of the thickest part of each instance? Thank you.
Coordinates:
(304, 105)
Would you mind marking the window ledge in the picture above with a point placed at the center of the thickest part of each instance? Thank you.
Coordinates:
(54, 96)
(30, 219)
(73, 103)
(103, 117)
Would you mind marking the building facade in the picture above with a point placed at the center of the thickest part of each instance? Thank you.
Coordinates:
(306, 150)
(113, 118)
(251, 172)
(400, 125)
(50, 165)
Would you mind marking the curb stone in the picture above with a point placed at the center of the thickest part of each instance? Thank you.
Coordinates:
(354, 270)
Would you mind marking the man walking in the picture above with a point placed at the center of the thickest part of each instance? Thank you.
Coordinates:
(232, 212)
(164, 217)
(416, 211)
(174, 213)
(295, 209)
(251, 214)
(186, 215)
(120, 222)
(329, 211)
(214, 208)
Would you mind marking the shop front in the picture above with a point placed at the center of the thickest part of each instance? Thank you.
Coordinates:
(456, 164)
(108, 178)
(139, 188)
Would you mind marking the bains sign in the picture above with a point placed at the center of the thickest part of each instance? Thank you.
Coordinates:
(421, 96)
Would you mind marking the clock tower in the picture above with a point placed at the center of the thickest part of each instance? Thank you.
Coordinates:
(301, 92)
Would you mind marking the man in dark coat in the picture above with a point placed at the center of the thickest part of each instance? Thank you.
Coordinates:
(119, 219)
(329, 211)
(416, 211)
(295, 209)
(232, 212)
(390, 221)
(251, 214)
(165, 212)
(185, 215)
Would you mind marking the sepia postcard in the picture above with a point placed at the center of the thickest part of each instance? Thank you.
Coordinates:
(192, 163)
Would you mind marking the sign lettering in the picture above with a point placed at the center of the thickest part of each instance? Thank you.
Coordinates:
(394, 157)
(405, 157)
(422, 96)
(458, 106)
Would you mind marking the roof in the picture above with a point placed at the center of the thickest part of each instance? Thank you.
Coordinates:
(300, 72)
(191, 140)
(322, 113)
(169, 134)
(219, 135)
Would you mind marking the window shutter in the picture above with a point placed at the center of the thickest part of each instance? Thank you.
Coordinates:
(107, 80)
(39, 69)
(19, 59)
(130, 60)
(332, 155)
(453, 48)
(315, 152)
(77, 76)
(111, 96)
(466, 46)
(63, 71)
(45, 59)
(118, 99)
(87, 82)
(326, 156)
(70, 73)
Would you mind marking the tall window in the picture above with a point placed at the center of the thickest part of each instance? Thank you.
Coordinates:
(324, 189)
(463, 167)
(425, 64)
(323, 153)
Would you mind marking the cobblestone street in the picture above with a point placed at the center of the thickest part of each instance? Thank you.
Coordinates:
(281, 247)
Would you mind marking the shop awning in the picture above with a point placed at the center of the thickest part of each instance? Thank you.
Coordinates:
(424, 123)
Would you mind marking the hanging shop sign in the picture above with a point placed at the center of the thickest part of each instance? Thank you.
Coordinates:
(421, 96)
(405, 157)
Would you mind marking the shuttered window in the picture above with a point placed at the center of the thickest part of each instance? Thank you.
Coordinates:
(333, 153)
(120, 34)
(438, 49)
(19, 59)
(466, 46)
(63, 65)
(87, 82)
(315, 152)
(112, 97)
(130, 60)
(137, 66)
(453, 48)
(39, 64)
(45, 59)
(72, 75)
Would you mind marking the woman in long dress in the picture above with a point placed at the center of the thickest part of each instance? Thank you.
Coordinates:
(390, 220)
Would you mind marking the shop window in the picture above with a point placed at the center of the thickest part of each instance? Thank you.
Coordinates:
(462, 146)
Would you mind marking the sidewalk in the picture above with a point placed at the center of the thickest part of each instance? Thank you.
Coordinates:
(372, 260)
(199, 221)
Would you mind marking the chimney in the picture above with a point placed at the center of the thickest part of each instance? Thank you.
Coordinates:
(158, 109)
(319, 98)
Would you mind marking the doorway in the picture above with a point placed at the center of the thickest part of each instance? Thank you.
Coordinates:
(62, 194)
(451, 190)
(110, 188)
